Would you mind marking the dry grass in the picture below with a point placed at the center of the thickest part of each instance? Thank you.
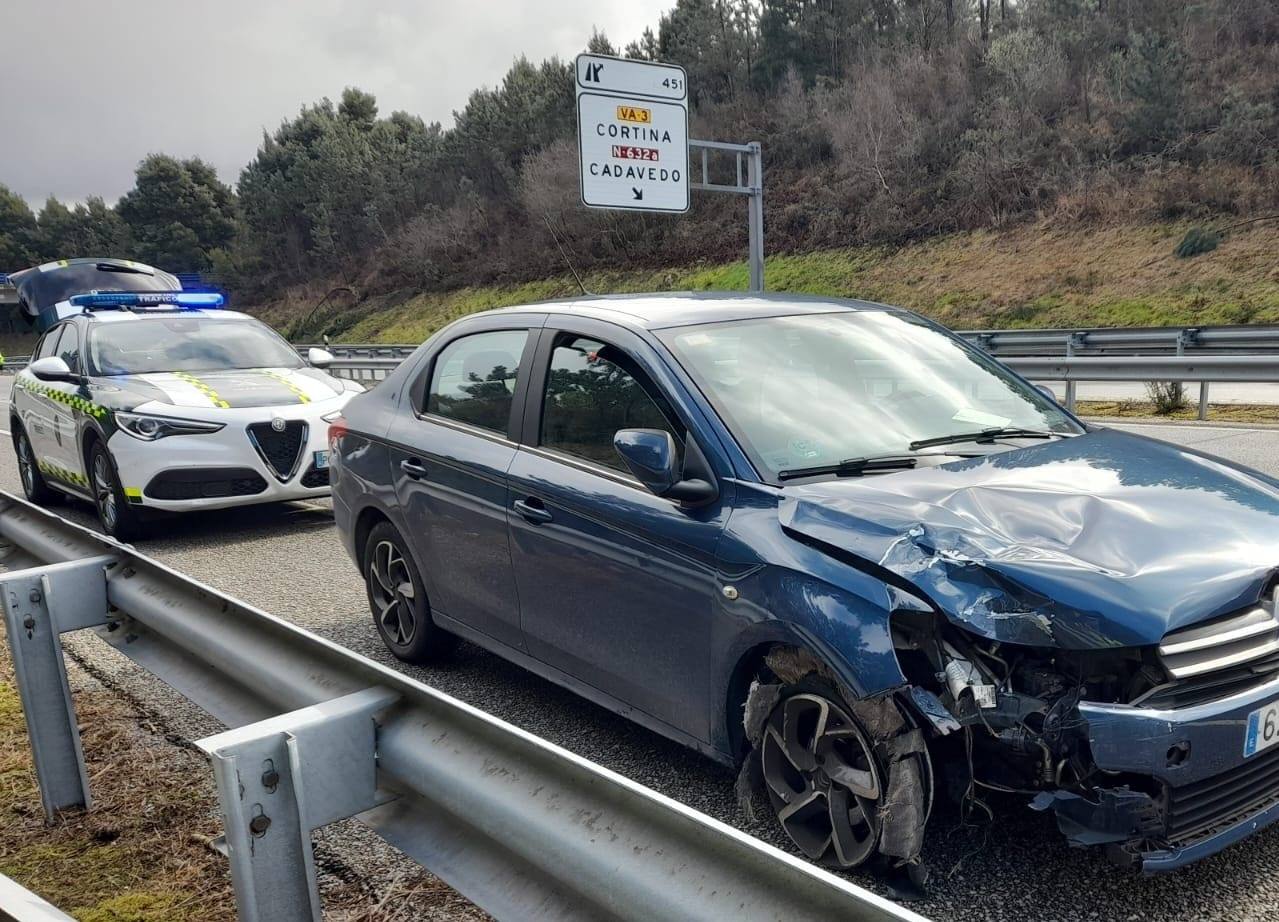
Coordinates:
(1145, 410)
(1045, 274)
(140, 854)
(143, 853)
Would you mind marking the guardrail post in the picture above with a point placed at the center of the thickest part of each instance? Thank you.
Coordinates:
(1073, 340)
(280, 779)
(41, 604)
(1188, 337)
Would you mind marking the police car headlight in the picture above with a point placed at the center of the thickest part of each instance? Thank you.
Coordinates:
(329, 417)
(150, 428)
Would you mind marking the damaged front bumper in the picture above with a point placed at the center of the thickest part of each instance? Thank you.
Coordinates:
(1204, 793)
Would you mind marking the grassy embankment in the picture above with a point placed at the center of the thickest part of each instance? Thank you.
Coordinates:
(1039, 275)
(1031, 276)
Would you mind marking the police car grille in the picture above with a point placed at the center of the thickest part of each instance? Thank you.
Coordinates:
(280, 450)
(315, 477)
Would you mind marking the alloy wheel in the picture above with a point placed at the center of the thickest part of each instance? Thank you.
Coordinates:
(391, 588)
(104, 490)
(823, 780)
(26, 464)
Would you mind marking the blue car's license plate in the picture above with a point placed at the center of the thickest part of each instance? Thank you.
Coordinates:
(321, 460)
(1263, 729)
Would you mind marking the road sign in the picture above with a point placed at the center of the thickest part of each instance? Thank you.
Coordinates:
(632, 127)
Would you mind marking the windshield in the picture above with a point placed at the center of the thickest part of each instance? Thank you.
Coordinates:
(138, 347)
(813, 390)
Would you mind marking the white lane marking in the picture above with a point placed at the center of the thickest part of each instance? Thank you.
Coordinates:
(5, 432)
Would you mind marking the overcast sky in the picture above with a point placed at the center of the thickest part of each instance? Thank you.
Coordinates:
(88, 88)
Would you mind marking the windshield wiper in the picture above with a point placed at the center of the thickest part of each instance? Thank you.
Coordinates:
(853, 467)
(986, 435)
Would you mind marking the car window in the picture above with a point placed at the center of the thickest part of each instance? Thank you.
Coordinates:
(44, 348)
(473, 379)
(69, 347)
(593, 390)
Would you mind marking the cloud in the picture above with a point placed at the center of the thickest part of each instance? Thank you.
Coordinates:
(90, 88)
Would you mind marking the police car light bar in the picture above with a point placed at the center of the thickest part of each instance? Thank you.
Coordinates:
(109, 299)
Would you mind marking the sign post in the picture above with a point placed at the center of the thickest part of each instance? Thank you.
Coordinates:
(632, 129)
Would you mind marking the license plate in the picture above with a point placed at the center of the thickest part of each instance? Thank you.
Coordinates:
(1263, 729)
(321, 460)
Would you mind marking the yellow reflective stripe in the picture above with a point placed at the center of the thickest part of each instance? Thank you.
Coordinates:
(284, 379)
(204, 389)
(133, 492)
(61, 473)
(59, 396)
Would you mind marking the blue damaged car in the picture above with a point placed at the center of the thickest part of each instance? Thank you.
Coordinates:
(835, 546)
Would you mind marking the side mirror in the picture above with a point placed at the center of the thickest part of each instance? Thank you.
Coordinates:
(319, 358)
(1047, 392)
(651, 456)
(52, 368)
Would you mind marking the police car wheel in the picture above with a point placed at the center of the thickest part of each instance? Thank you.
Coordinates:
(397, 599)
(118, 518)
(33, 482)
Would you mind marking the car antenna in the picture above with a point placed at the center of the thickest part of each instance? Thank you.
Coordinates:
(568, 262)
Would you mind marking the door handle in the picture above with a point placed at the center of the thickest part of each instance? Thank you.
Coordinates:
(414, 468)
(532, 510)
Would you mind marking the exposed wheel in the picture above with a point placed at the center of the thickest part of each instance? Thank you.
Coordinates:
(33, 482)
(118, 519)
(822, 776)
(397, 599)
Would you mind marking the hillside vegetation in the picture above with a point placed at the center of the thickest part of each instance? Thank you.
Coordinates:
(885, 124)
(1036, 275)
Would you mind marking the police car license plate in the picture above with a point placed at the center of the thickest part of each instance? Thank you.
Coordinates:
(321, 460)
(1263, 729)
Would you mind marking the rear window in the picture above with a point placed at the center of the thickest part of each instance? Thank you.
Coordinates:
(473, 379)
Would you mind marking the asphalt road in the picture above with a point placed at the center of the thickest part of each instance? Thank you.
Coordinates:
(287, 560)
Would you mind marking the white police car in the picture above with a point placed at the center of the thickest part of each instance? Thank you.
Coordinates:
(159, 400)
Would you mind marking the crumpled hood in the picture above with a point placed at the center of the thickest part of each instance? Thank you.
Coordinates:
(253, 387)
(1104, 539)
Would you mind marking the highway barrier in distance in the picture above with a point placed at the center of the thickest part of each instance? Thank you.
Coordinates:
(523, 828)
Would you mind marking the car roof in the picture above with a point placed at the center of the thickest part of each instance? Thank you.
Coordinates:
(686, 308)
(118, 315)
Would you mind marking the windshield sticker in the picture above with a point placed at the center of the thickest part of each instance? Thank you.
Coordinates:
(806, 448)
(969, 415)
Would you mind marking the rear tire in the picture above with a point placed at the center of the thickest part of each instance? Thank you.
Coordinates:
(397, 599)
(35, 487)
(118, 519)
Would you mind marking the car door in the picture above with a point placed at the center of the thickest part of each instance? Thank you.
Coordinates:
(616, 585)
(450, 451)
(34, 408)
(65, 448)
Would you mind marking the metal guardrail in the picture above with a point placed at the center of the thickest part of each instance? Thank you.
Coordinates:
(525, 829)
(1127, 340)
(18, 904)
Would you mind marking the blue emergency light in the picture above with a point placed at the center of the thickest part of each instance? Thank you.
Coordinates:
(128, 299)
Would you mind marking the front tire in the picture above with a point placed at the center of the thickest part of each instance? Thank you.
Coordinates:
(33, 482)
(397, 599)
(823, 777)
(118, 519)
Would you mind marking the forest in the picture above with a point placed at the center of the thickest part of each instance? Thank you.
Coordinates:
(882, 122)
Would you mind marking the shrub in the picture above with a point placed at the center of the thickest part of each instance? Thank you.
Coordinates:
(1167, 396)
(1197, 240)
